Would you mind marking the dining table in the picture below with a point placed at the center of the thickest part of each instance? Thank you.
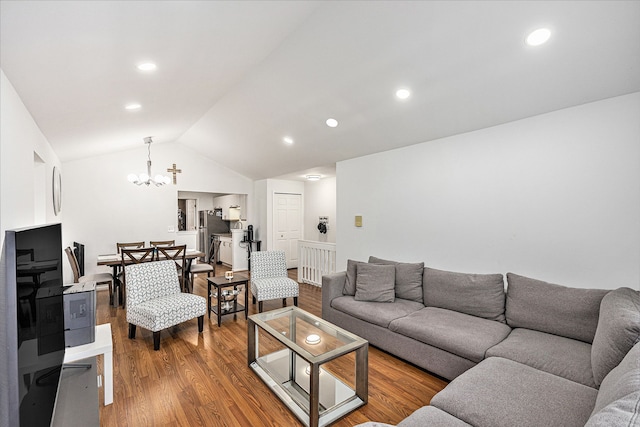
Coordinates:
(115, 262)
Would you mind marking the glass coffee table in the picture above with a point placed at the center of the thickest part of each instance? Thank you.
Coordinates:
(320, 371)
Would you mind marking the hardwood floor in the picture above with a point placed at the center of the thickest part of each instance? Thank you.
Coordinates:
(203, 379)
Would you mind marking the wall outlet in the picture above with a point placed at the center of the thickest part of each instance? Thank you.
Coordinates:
(171, 229)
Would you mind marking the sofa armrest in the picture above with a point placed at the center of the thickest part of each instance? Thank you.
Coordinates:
(332, 285)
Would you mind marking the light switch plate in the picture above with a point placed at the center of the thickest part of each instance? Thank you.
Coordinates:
(358, 220)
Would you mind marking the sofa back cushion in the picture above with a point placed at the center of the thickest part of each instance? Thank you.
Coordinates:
(408, 278)
(618, 399)
(555, 309)
(618, 330)
(375, 283)
(480, 295)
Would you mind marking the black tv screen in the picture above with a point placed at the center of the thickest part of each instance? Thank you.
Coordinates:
(33, 269)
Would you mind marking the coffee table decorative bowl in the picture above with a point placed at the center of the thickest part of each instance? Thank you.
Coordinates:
(309, 364)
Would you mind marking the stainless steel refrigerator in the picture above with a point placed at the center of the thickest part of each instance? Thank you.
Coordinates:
(210, 223)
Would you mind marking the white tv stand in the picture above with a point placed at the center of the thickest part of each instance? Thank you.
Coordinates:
(102, 345)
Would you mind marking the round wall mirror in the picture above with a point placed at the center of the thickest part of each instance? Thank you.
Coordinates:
(57, 191)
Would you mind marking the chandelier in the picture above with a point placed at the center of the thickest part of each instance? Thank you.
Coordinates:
(145, 178)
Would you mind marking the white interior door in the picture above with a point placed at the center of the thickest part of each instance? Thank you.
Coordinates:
(287, 225)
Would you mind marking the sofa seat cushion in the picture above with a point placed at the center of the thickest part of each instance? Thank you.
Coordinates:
(378, 313)
(431, 416)
(161, 313)
(500, 392)
(458, 333)
(568, 358)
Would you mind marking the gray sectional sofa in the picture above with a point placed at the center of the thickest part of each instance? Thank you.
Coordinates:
(537, 354)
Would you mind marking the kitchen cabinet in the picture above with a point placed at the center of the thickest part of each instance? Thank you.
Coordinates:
(231, 214)
(226, 251)
(234, 206)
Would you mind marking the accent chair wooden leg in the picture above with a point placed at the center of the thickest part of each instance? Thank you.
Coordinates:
(156, 340)
(295, 301)
(132, 331)
(284, 302)
(200, 323)
(254, 298)
(111, 293)
(260, 307)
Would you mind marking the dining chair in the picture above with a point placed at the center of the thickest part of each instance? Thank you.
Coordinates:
(200, 267)
(99, 278)
(156, 243)
(131, 245)
(132, 256)
(155, 302)
(178, 255)
(269, 278)
(119, 247)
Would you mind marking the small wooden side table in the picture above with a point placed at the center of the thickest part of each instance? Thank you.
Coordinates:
(220, 283)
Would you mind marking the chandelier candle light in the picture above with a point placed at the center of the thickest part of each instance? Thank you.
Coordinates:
(145, 178)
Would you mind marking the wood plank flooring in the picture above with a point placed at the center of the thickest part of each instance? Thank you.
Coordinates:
(203, 379)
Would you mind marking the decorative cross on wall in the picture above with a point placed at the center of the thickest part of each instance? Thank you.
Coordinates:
(174, 171)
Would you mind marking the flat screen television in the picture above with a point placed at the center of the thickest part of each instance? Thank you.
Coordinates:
(32, 345)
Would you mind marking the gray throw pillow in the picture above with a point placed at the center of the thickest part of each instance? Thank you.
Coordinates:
(350, 281)
(555, 309)
(408, 278)
(375, 283)
(618, 330)
(480, 295)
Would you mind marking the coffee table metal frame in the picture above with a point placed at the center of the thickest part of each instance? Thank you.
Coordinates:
(219, 283)
(300, 389)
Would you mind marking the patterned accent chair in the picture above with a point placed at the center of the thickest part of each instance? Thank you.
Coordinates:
(269, 279)
(155, 302)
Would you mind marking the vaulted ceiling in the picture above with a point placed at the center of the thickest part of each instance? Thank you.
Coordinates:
(235, 78)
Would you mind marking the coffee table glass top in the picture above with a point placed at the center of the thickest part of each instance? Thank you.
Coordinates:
(303, 331)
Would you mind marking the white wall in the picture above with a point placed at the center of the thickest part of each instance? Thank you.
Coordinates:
(25, 184)
(554, 197)
(102, 207)
(320, 200)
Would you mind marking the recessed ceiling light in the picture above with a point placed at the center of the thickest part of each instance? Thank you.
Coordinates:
(538, 37)
(133, 106)
(313, 177)
(403, 93)
(147, 66)
(288, 140)
(332, 123)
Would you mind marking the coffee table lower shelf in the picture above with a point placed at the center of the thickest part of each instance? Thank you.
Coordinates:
(336, 398)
